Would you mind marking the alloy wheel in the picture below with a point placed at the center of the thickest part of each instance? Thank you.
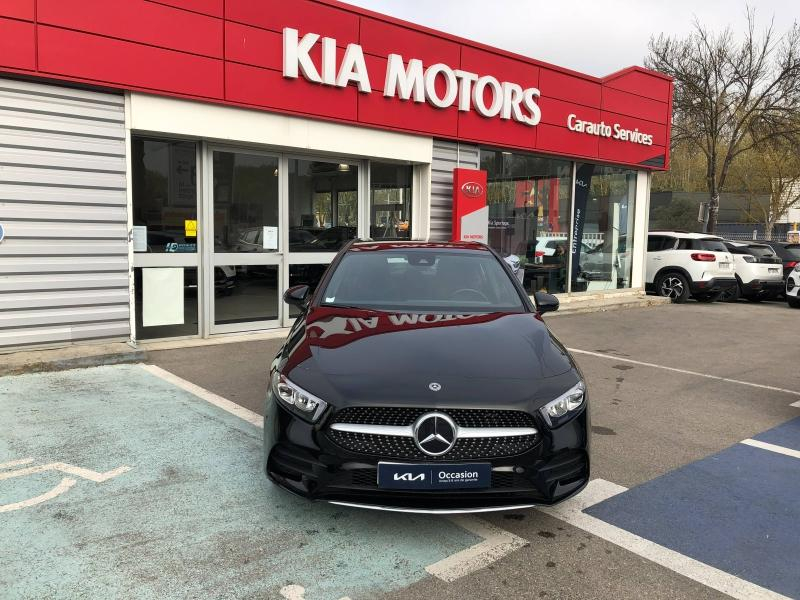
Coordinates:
(672, 287)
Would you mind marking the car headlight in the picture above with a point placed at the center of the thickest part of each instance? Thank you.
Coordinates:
(566, 406)
(296, 399)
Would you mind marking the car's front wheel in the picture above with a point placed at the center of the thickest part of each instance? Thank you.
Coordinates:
(673, 286)
(794, 301)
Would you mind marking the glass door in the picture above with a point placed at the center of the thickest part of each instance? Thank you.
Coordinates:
(244, 241)
(324, 204)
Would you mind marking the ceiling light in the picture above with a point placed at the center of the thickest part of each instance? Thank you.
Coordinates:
(343, 167)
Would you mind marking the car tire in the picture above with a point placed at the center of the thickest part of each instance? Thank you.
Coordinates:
(731, 294)
(794, 301)
(708, 298)
(674, 286)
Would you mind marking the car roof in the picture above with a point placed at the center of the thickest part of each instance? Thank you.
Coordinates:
(410, 244)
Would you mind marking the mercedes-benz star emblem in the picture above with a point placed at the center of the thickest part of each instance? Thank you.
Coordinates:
(434, 387)
(435, 433)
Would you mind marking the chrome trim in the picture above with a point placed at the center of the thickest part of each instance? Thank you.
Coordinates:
(433, 511)
(395, 430)
(408, 430)
(486, 432)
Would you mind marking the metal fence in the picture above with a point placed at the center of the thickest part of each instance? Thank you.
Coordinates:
(755, 235)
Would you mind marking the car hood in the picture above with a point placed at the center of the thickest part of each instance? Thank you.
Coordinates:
(365, 357)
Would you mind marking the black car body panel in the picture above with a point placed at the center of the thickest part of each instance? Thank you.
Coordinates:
(491, 369)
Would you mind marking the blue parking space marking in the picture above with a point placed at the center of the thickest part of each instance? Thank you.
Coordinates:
(738, 511)
(168, 500)
(786, 435)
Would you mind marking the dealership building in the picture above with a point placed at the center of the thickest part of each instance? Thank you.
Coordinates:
(169, 168)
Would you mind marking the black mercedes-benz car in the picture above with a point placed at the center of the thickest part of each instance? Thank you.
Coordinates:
(421, 377)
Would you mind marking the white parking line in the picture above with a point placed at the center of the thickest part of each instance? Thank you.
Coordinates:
(598, 490)
(496, 544)
(772, 448)
(210, 397)
(62, 487)
(685, 372)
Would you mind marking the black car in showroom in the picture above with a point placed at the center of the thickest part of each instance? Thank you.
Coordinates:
(421, 377)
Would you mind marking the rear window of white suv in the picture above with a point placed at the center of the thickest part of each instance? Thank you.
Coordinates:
(707, 244)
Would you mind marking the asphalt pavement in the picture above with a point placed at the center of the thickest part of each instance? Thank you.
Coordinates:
(167, 500)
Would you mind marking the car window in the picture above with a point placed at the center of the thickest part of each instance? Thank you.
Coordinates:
(761, 251)
(422, 280)
(793, 249)
(711, 245)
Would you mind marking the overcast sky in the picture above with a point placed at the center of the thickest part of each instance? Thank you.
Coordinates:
(593, 36)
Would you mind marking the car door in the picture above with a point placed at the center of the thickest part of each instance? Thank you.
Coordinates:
(657, 245)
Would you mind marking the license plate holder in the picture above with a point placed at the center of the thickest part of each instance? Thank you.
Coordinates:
(410, 476)
(724, 265)
(773, 271)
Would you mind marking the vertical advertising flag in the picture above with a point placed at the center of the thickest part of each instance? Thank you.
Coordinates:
(583, 185)
(470, 212)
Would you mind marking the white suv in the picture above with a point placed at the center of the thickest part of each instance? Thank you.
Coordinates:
(759, 272)
(681, 264)
(793, 287)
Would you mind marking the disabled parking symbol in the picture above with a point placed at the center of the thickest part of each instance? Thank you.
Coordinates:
(26, 467)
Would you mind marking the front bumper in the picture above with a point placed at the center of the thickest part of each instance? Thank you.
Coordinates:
(713, 286)
(302, 459)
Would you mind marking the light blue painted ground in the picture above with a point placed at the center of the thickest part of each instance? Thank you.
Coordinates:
(194, 517)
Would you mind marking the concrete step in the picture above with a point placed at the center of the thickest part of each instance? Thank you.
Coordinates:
(610, 301)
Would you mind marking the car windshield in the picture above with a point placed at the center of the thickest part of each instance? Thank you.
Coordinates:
(422, 280)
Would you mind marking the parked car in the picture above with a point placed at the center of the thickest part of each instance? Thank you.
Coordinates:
(793, 287)
(682, 264)
(759, 274)
(380, 399)
(789, 253)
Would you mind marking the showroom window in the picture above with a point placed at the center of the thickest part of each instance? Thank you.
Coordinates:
(390, 200)
(323, 205)
(529, 213)
(605, 199)
(164, 195)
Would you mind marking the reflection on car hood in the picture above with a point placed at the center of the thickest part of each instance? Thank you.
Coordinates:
(367, 356)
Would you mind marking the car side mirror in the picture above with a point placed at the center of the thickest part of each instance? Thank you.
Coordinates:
(546, 302)
(296, 295)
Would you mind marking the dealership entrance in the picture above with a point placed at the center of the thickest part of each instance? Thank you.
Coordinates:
(220, 232)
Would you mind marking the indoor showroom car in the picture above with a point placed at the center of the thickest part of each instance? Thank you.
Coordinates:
(382, 395)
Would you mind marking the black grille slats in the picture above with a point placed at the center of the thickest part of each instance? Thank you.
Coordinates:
(389, 446)
(400, 416)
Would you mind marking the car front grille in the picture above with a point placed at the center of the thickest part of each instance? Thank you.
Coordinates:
(404, 447)
(401, 415)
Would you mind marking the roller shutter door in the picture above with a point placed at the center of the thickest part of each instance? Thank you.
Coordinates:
(64, 260)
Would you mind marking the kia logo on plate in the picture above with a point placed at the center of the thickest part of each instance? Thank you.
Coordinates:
(472, 189)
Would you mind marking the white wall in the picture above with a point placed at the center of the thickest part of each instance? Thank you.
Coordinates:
(224, 123)
(640, 226)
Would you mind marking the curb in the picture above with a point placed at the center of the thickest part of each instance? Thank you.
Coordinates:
(76, 362)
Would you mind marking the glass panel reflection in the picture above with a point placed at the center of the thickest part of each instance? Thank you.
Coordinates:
(605, 199)
(529, 212)
(164, 186)
(245, 293)
(390, 200)
(323, 205)
(245, 202)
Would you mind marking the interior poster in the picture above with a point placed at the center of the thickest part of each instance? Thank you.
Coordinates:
(583, 185)
(470, 212)
(162, 296)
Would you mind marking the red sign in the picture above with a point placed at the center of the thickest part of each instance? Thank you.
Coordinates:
(234, 52)
(470, 213)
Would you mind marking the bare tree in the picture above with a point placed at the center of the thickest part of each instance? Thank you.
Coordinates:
(770, 177)
(730, 95)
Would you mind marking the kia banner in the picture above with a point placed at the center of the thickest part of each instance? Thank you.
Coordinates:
(470, 212)
(583, 184)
